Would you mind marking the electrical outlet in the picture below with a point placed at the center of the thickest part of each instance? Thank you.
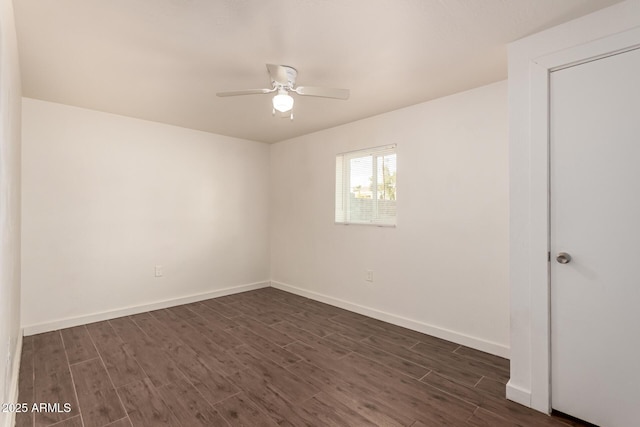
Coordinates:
(158, 271)
(368, 276)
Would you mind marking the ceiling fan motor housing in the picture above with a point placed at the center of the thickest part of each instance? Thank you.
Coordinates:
(286, 79)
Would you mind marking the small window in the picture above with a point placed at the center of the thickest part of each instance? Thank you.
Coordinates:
(366, 187)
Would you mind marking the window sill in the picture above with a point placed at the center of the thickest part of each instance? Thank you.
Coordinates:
(366, 224)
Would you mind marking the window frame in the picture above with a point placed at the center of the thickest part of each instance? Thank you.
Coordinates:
(343, 185)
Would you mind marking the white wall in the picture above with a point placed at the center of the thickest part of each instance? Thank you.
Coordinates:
(443, 270)
(528, 174)
(10, 97)
(106, 198)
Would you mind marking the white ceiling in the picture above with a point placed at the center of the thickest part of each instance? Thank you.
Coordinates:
(164, 60)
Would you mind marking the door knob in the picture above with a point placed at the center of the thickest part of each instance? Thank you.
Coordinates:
(563, 258)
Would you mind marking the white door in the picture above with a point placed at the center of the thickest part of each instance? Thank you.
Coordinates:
(595, 218)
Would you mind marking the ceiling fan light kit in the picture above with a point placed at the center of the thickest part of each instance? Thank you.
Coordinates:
(283, 79)
(283, 102)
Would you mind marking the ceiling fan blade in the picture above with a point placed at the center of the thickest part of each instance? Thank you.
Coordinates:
(245, 92)
(324, 92)
(285, 115)
(278, 73)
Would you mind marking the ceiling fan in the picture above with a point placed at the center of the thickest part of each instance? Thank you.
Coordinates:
(283, 80)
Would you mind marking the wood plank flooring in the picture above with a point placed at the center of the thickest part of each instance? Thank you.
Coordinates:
(262, 358)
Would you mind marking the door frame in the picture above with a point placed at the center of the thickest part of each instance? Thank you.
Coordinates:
(539, 249)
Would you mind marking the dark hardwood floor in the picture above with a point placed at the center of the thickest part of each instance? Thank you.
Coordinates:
(262, 358)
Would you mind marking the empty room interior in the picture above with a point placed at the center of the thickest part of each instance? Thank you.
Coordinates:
(319, 213)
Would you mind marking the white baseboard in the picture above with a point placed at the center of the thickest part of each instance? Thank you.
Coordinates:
(477, 343)
(518, 394)
(126, 311)
(446, 334)
(10, 417)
